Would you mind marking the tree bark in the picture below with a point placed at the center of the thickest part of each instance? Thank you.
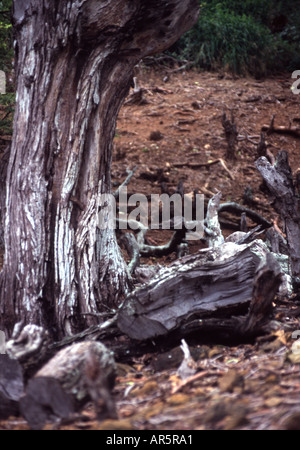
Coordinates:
(210, 285)
(279, 179)
(75, 62)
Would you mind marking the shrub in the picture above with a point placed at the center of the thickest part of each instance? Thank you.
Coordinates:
(6, 48)
(238, 36)
(6, 113)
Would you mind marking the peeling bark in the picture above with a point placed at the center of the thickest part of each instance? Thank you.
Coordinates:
(75, 62)
(279, 180)
(212, 283)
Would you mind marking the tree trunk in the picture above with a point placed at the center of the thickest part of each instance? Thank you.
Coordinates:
(74, 68)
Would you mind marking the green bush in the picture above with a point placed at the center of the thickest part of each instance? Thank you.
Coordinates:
(6, 48)
(237, 43)
(6, 113)
(238, 36)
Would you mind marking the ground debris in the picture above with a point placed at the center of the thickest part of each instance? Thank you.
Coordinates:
(269, 395)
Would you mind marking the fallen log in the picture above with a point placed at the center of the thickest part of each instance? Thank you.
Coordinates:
(214, 283)
(79, 373)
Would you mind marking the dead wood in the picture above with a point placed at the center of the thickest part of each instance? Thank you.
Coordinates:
(243, 223)
(212, 283)
(196, 165)
(136, 97)
(78, 373)
(265, 287)
(212, 221)
(292, 131)
(262, 149)
(235, 208)
(231, 135)
(279, 180)
(133, 250)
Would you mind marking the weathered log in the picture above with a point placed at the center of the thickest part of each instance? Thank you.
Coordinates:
(81, 372)
(45, 401)
(86, 371)
(213, 283)
(212, 221)
(265, 287)
(279, 180)
(29, 346)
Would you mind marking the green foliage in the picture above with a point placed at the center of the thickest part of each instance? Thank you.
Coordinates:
(6, 113)
(242, 36)
(6, 49)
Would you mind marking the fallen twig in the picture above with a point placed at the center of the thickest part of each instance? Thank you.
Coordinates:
(126, 182)
(293, 131)
(184, 383)
(207, 164)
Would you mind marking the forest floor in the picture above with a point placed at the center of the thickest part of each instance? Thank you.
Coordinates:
(176, 134)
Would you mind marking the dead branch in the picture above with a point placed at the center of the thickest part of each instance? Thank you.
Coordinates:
(292, 131)
(133, 249)
(136, 97)
(125, 182)
(279, 180)
(230, 134)
(212, 221)
(265, 287)
(196, 165)
(138, 247)
(233, 207)
(262, 149)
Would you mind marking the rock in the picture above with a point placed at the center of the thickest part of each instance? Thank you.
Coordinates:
(85, 370)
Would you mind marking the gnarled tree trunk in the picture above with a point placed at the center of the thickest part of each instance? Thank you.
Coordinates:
(74, 68)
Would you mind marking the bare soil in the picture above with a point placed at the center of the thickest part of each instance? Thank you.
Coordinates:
(177, 127)
(178, 135)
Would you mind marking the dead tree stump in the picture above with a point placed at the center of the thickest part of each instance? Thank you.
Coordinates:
(230, 134)
(279, 180)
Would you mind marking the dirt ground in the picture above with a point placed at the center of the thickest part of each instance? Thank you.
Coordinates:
(176, 134)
